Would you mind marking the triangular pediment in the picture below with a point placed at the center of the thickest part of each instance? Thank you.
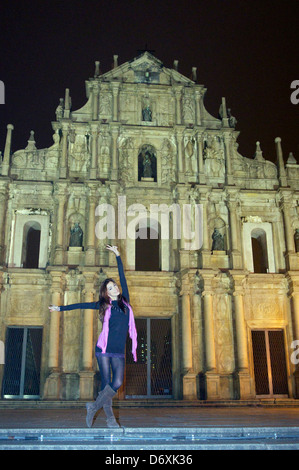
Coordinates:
(146, 68)
(146, 61)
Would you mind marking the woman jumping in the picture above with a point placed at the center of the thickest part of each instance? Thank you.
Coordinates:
(117, 317)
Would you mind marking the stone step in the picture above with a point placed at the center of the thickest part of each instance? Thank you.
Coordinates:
(164, 439)
(152, 403)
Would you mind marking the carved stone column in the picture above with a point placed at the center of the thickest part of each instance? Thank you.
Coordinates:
(236, 255)
(211, 375)
(180, 140)
(60, 196)
(115, 92)
(293, 278)
(6, 156)
(70, 340)
(280, 161)
(286, 208)
(52, 384)
(228, 153)
(206, 250)
(292, 260)
(87, 374)
(95, 103)
(209, 331)
(114, 169)
(93, 168)
(3, 196)
(54, 332)
(243, 375)
(189, 378)
(90, 251)
(198, 95)
(63, 159)
(178, 109)
(197, 331)
(201, 175)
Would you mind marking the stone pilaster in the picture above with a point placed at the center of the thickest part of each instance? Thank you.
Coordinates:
(206, 250)
(60, 196)
(198, 97)
(7, 149)
(280, 161)
(180, 141)
(115, 93)
(291, 257)
(87, 373)
(293, 278)
(211, 375)
(178, 105)
(95, 102)
(94, 151)
(114, 168)
(64, 150)
(3, 205)
(243, 375)
(236, 255)
(189, 377)
(201, 173)
(53, 383)
(90, 250)
(228, 153)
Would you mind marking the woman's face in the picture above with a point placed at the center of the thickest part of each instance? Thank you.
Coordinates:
(112, 290)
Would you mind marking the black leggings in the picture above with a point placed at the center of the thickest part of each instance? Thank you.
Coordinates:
(117, 365)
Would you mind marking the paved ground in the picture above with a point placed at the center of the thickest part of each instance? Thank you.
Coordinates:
(152, 417)
(153, 429)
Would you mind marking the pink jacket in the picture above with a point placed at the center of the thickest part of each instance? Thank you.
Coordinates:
(103, 338)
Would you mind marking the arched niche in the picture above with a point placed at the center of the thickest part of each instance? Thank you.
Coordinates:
(147, 163)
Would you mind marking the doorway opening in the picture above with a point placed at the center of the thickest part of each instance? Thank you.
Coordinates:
(269, 363)
(22, 363)
(151, 375)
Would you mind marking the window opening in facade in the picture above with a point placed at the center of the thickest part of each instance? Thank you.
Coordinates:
(31, 245)
(147, 251)
(259, 251)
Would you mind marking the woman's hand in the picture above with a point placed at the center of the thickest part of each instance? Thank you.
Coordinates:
(54, 308)
(114, 249)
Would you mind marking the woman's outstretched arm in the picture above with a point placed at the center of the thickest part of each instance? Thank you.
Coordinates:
(84, 305)
(121, 273)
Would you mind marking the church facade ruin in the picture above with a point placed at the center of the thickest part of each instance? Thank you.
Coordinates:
(215, 323)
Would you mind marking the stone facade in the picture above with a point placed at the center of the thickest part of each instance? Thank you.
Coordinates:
(216, 297)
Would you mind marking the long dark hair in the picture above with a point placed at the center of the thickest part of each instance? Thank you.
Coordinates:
(104, 299)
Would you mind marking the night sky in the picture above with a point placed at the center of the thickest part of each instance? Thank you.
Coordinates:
(244, 50)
